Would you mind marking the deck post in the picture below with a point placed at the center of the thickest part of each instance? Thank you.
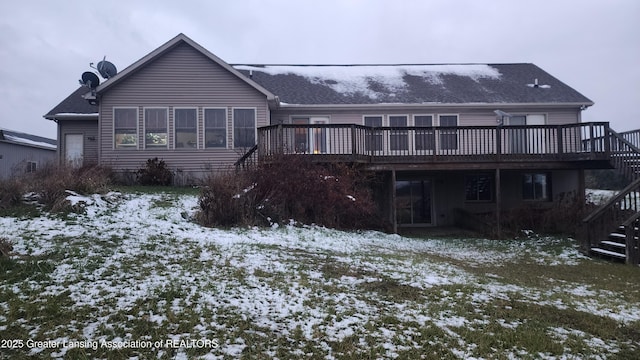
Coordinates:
(353, 142)
(394, 218)
(498, 204)
(280, 139)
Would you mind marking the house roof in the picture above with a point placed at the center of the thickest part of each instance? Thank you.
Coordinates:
(74, 107)
(367, 85)
(412, 84)
(24, 139)
(179, 39)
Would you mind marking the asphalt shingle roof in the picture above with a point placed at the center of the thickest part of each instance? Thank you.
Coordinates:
(27, 139)
(412, 84)
(74, 104)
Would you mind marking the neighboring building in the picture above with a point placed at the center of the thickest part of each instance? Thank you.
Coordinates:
(443, 139)
(22, 153)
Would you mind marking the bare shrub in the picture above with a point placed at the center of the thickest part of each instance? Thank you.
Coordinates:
(51, 183)
(290, 187)
(563, 217)
(11, 191)
(221, 202)
(5, 247)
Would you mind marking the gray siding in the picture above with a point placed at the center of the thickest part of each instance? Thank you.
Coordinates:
(89, 131)
(14, 158)
(467, 117)
(182, 77)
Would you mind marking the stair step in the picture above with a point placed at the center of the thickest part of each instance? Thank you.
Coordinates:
(608, 253)
(618, 236)
(613, 244)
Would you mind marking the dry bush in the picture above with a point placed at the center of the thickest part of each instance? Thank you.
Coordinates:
(51, 183)
(564, 217)
(290, 187)
(5, 247)
(11, 191)
(220, 201)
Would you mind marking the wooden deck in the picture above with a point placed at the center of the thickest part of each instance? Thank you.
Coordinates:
(463, 147)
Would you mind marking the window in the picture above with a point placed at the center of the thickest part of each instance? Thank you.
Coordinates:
(244, 128)
(478, 187)
(536, 186)
(398, 139)
(374, 140)
(448, 137)
(215, 128)
(186, 128)
(155, 128)
(125, 128)
(424, 138)
(32, 166)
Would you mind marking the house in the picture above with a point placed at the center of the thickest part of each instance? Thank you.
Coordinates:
(445, 140)
(22, 153)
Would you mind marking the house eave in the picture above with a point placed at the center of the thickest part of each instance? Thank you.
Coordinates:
(71, 116)
(491, 106)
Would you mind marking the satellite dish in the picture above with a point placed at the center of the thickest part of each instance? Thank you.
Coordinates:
(90, 80)
(105, 68)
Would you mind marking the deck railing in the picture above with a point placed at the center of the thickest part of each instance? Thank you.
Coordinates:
(436, 144)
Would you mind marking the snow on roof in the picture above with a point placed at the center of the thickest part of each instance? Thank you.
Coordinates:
(351, 79)
(68, 114)
(27, 139)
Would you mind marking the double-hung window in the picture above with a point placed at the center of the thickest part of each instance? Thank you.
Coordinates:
(125, 128)
(244, 128)
(478, 187)
(215, 128)
(398, 138)
(449, 135)
(186, 128)
(155, 128)
(536, 186)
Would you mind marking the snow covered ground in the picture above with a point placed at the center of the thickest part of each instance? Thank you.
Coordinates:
(133, 270)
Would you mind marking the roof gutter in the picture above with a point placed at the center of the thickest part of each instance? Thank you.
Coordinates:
(581, 105)
(70, 116)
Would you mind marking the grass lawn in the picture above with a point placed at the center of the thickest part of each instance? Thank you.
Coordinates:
(132, 276)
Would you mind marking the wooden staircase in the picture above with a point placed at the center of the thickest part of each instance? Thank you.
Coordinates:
(611, 231)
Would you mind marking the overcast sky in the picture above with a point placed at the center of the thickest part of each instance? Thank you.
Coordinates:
(593, 46)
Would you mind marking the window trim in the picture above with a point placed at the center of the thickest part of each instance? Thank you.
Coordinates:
(175, 128)
(233, 123)
(113, 128)
(226, 127)
(144, 127)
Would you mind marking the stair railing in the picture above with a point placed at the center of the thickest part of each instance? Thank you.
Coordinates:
(625, 156)
(632, 239)
(600, 223)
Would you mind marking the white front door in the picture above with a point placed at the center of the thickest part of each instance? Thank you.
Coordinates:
(74, 149)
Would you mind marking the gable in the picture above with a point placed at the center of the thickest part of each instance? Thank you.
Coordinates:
(184, 45)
